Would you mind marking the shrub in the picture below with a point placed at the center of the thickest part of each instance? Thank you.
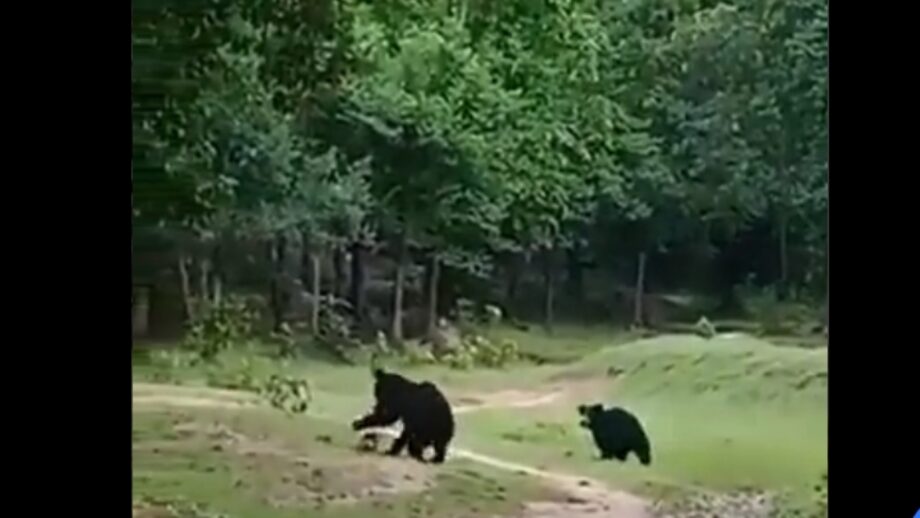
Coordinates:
(288, 394)
(220, 327)
(238, 376)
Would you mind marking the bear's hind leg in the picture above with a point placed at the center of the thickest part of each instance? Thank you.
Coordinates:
(440, 452)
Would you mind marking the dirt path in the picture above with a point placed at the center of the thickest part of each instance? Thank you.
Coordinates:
(586, 497)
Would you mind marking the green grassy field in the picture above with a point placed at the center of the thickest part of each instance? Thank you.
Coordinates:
(260, 464)
(722, 414)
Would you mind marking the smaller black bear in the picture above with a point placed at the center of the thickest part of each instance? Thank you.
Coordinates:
(616, 433)
(426, 415)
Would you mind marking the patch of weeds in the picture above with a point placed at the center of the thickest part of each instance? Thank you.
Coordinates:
(163, 364)
(220, 327)
(241, 376)
(817, 508)
(173, 509)
(288, 394)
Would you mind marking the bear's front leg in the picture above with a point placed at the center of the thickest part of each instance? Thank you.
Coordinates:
(399, 444)
(416, 450)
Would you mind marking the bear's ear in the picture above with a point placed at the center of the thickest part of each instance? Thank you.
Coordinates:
(378, 373)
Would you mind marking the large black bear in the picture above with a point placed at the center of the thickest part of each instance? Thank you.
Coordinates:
(616, 433)
(425, 413)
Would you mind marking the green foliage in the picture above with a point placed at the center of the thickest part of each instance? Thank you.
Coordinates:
(479, 350)
(418, 355)
(334, 324)
(461, 359)
(233, 375)
(285, 341)
(165, 362)
(776, 316)
(490, 354)
(476, 129)
(289, 394)
(817, 508)
(220, 327)
(821, 496)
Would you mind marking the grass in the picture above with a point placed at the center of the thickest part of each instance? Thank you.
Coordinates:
(722, 414)
(566, 343)
(295, 466)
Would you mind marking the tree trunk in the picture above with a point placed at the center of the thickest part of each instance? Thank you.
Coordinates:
(140, 311)
(396, 328)
(217, 275)
(548, 281)
(576, 275)
(358, 296)
(306, 262)
(188, 310)
(277, 250)
(434, 275)
(314, 307)
(204, 292)
(638, 316)
(782, 291)
(514, 277)
(338, 269)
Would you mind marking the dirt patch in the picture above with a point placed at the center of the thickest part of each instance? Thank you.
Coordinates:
(158, 509)
(561, 390)
(506, 399)
(146, 394)
(303, 483)
(346, 482)
(140, 510)
(292, 479)
(570, 510)
(743, 504)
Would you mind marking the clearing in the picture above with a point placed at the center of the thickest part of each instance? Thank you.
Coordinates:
(720, 414)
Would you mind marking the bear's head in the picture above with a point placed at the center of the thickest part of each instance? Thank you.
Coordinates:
(590, 413)
(389, 391)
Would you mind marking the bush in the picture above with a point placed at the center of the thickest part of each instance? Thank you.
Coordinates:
(220, 327)
(774, 316)
(240, 376)
(477, 349)
(817, 509)
(416, 355)
(165, 362)
(288, 394)
(461, 359)
(284, 341)
(821, 497)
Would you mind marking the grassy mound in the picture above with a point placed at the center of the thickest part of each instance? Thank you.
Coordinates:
(739, 369)
(727, 413)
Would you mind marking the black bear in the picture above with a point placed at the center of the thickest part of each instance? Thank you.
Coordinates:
(426, 415)
(616, 433)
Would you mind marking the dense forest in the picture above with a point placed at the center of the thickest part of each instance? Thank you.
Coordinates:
(387, 162)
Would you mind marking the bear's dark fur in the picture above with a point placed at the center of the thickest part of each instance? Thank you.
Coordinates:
(616, 433)
(426, 415)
